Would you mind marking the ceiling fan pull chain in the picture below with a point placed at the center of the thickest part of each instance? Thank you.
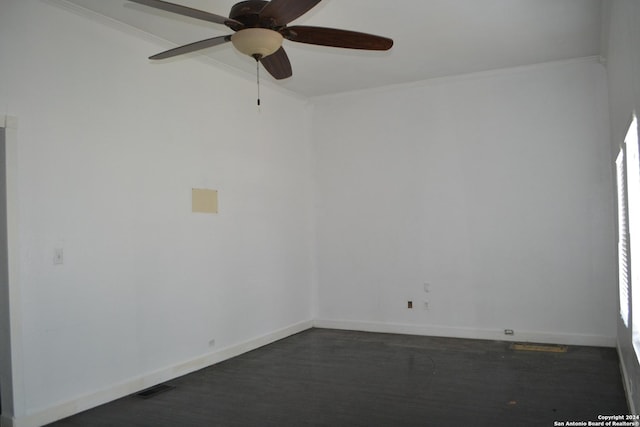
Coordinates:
(258, 76)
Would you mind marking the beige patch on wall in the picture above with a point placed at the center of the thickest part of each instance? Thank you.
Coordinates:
(204, 201)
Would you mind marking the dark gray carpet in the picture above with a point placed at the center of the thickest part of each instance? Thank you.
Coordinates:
(343, 378)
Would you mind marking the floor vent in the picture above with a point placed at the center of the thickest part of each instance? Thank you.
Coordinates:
(545, 348)
(154, 391)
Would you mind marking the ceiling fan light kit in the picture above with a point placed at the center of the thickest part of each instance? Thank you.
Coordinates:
(257, 42)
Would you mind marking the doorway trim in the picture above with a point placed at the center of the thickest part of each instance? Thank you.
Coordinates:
(11, 378)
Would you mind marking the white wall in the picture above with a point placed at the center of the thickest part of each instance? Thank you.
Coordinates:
(622, 52)
(495, 188)
(109, 149)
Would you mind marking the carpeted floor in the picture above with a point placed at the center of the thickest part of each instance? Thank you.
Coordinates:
(343, 378)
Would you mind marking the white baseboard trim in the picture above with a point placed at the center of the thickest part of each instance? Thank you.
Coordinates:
(626, 383)
(454, 332)
(6, 421)
(91, 400)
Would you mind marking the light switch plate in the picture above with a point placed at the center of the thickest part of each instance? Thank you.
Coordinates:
(58, 256)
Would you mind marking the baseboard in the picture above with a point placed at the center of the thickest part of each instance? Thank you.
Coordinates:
(6, 421)
(626, 383)
(134, 385)
(453, 332)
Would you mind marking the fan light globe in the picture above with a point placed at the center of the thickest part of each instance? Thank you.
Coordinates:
(259, 42)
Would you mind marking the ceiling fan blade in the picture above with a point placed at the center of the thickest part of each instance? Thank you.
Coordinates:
(284, 11)
(278, 64)
(190, 12)
(336, 38)
(191, 47)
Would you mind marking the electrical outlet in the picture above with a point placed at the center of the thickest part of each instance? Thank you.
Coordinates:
(427, 287)
(508, 331)
(409, 304)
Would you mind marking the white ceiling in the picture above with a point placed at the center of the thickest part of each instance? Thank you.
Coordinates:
(433, 38)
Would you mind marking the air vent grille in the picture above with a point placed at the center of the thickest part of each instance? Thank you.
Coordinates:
(545, 348)
(154, 391)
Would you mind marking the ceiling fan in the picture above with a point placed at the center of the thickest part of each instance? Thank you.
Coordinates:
(260, 27)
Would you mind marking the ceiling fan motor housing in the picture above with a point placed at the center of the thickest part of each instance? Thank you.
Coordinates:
(248, 13)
